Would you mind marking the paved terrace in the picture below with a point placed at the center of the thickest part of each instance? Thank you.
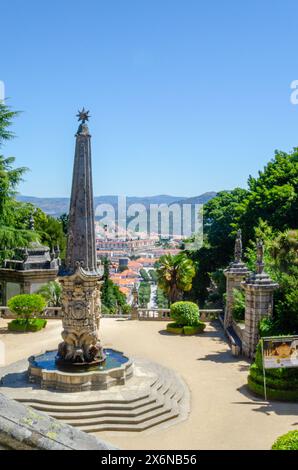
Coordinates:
(223, 414)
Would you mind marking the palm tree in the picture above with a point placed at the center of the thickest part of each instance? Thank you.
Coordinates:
(51, 292)
(175, 275)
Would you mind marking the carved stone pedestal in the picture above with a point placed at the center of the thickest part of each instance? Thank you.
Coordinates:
(81, 313)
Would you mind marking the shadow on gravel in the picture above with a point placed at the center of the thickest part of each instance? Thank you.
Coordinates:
(267, 407)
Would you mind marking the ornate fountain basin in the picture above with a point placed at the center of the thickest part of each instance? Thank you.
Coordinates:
(116, 369)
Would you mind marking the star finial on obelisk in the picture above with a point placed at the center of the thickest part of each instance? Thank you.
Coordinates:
(83, 116)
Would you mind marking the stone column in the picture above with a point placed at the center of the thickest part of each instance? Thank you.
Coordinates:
(235, 275)
(259, 289)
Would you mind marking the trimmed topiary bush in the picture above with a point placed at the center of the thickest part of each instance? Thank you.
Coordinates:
(281, 384)
(187, 319)
(194, 330)
(175, 328)
(288, 441)
(33, 324)
(27, 305)
(185, 313)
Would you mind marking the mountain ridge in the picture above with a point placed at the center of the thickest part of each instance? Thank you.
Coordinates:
(55, 206)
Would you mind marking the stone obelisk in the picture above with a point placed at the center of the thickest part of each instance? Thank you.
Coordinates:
(80, 278)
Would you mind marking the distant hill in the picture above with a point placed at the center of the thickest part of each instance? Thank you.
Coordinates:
(55, 206)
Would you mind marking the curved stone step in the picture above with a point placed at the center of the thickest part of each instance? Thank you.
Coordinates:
(117, 420)
(155, 421)
(86, 407)
(103, 401)
(105, 412)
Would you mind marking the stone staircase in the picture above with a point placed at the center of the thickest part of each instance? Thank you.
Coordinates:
(154, 396)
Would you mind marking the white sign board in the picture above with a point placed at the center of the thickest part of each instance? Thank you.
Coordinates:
(280, 351)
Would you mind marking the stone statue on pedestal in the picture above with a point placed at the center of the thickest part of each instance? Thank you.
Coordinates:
(238, 247)
(260, 257)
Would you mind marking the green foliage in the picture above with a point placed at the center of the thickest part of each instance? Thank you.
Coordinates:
(144, 275)
(238, 309)
(175, 328)
(273, 195)
(112, 299)
(126, 309)
(281, 254)
(221, 215)
(14, 215)
(267, 327)
(153, 275)
(272, 393)
(51, 292)
(64, 219)
(161, 299)
(269, 206)
(175, 275)
(185, 313)
(288, 441)
(105, 310)
(194, 330)
(144, 294)
(32, 324)
(216, 296)
(27, 305)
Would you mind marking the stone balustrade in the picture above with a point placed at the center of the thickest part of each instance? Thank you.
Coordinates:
(154, 314)
(49, 313)
(164, 314)
(55, 313)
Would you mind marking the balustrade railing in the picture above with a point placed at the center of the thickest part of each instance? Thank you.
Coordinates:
(48, 313)
(143, 314)
(154, 314)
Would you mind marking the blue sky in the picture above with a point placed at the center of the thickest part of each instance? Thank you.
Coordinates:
(186, 96)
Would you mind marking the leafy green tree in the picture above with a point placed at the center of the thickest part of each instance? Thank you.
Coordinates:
(11, 234)
(281, 264)
(238, 309)
(144, 293)
(112, 299)
(144, 275)
(273, 195)
(221, 217)
(64, 219)
(175, 275)
(161, 299)
(51, 233)
(271, 200)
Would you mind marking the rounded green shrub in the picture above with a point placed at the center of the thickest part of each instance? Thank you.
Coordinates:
(22, 325)
(185, 313)
(175, 328)
(194, 330)
(288, 441)
(27, 305)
